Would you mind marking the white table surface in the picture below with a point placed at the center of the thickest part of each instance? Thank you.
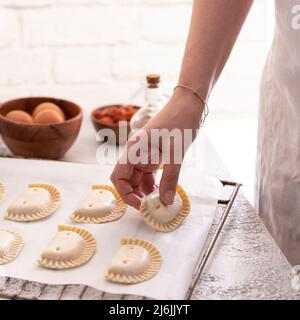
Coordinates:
(245, 264)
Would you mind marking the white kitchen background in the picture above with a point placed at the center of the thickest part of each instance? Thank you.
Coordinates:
(96, 52)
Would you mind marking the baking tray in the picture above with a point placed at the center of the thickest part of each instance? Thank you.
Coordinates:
(200, 266)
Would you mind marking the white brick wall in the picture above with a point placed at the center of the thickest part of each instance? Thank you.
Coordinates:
(97, 51)
(26, 3)
(157, 23)
(82, 65)
(79, 26)
(24, 67)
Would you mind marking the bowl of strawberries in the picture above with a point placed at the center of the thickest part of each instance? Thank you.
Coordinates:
(115, 117)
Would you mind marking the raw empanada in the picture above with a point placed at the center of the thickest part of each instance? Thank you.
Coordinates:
(11, 244)
(71, 247)
(103, 204)
(135, 261)
(37, 202)
(2, 191)
(165, 218)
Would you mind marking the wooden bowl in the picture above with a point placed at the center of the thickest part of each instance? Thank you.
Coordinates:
(49, 141)
(116, 137)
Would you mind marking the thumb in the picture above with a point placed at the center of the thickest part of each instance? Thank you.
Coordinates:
(168, 183)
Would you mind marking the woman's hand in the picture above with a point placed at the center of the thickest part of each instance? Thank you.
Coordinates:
(135, 179)
(214, 28)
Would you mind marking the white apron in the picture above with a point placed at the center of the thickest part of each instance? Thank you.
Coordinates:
(278, 156)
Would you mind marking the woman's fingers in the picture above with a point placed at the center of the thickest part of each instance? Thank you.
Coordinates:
(148, 182)
(121, 179)
(168, 182)
(135, 182)
(127, 193)
(133, 200)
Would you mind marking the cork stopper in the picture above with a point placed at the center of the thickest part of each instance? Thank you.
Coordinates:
(153, 78)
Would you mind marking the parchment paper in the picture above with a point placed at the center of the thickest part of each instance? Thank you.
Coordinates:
(180, 249)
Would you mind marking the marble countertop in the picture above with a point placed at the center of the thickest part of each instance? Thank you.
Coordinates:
(245, 263)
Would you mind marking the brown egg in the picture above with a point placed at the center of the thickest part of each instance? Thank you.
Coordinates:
(19, 116)
(47, 117)
(48, 106)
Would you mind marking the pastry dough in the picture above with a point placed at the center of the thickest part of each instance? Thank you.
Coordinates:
(37, 202)
(165, 218)
(2, 192)
(71, 247)
(135, 261)
(11, 244)
(103, 204)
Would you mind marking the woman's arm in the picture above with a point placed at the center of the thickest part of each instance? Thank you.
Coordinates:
(215, 25)
(214, 28)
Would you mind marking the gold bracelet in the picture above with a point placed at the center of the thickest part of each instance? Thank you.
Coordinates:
(195, 93)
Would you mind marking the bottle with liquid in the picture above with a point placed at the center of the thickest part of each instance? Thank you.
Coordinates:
(153, 104)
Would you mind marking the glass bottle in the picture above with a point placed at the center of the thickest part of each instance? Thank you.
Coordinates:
(153, 104)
